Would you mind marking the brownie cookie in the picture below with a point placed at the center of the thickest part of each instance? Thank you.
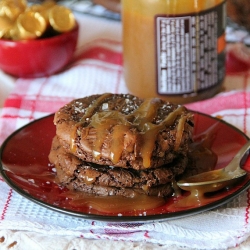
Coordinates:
(109, 180)
(124, 131)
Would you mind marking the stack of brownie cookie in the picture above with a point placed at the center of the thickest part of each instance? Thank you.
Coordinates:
(119, 144)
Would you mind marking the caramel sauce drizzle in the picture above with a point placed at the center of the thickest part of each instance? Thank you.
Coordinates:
(89, 112)
(103, 121)
(73, 147)
(179, 132)
(118, 139)
(150, 135)
(118, 124)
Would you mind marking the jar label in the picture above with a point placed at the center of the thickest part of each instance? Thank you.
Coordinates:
(190, 51)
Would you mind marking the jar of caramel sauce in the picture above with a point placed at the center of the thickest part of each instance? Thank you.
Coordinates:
(174, 49)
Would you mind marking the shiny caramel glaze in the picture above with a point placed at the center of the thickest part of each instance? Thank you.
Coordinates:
(117, 128)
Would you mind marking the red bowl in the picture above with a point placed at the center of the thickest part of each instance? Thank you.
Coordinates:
(40, 57)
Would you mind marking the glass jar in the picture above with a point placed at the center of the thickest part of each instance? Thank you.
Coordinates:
(174, 49)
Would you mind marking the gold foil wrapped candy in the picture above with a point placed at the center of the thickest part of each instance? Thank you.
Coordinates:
(30, 25)
(61, 18)
(12, 8)
(18, 21)
(5, 25)
(9, 11)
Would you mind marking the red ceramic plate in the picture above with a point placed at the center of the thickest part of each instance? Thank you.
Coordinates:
(25, 167)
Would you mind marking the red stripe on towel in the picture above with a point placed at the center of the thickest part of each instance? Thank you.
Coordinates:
(6, 204)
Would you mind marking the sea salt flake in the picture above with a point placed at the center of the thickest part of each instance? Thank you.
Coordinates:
(78, 110)
(105, 106)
